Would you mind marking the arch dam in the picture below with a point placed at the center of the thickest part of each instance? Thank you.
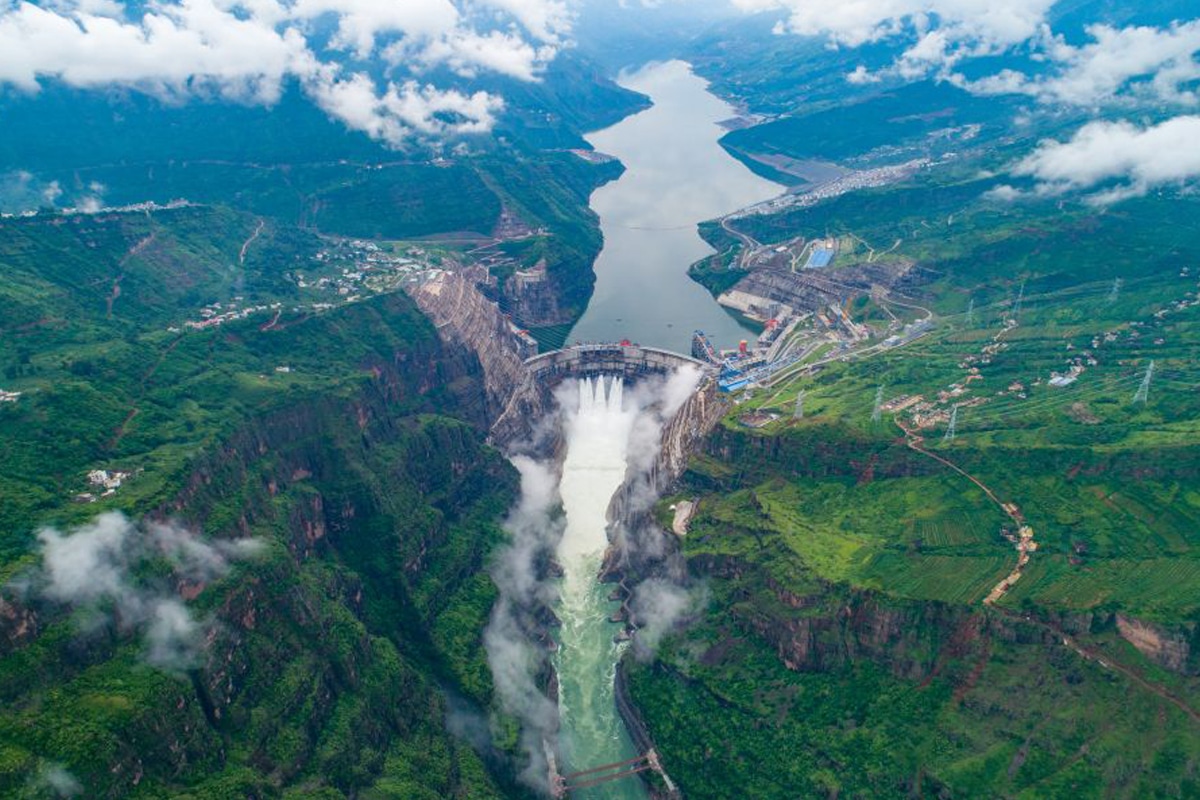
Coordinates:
(629, 361)
(533, 394)
(519, 386)
(684, 426)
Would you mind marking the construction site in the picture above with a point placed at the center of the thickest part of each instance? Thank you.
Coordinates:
(803, 305)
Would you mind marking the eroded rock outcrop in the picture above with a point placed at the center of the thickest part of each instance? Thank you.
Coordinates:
(1170, 649)
(465, 318)
(18, 625)
(682, 433)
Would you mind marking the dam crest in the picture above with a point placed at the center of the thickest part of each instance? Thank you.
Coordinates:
(626, 360)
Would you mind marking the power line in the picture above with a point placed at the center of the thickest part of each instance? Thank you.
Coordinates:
(877, 414)
(1011, 407)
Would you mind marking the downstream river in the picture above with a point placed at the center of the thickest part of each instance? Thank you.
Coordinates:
(597, 433)
(677, 176)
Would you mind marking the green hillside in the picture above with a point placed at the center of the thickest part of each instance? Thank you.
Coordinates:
(333, 651)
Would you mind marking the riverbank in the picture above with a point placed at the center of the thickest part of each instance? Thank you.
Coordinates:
(676, 176)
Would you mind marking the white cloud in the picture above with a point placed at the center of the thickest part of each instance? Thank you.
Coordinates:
(1117, 160)
(1137, 62)
(361, 22)
(181, 48)
(172, 636)
(249, 50)
(89, 563)
(658, 605)
(468, 52)
(1003, 193)
(401, 110)
(547, 20)
(52, 192)
(972, 23)
(93, 569)
(862, 76)
(55, 780)
(1118, 64)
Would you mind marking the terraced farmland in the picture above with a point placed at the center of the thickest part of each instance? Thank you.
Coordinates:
(1158, 587)
(951, 579)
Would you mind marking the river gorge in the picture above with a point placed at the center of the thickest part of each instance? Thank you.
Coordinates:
(597, 432)
(677, 175)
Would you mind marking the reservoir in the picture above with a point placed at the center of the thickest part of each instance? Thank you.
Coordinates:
(677, 176)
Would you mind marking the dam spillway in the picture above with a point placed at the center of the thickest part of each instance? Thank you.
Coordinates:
(598, 428)
(621, 359)
(597, 431)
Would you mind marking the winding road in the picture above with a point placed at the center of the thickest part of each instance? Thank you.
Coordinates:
(916, 442)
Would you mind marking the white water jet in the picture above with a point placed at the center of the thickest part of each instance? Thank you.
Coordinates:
(597, 436)
(610, 436)
(598, 433)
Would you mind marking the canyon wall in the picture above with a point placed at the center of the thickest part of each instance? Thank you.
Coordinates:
(682, 435)
(465, 318)
(1169, 647)
(333, 644)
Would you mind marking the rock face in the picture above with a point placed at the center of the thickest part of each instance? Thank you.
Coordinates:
(827, 628)
(690, 426)
(325, 650)
(909, 639)
(640, 547)
(533, 298)
(1170, 649)
(18, 625)
(681, 436)
(466, 319)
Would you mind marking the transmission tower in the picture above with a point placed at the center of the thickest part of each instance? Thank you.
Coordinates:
(877, 414)
(952, 431)
(1143, 392)
(971, 313)
(1020, 299)
(1115, 291)
(799, 413)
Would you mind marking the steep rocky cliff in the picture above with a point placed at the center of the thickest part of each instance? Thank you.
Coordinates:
(1172, 648)
(325, 660)
(831, 628)
(536, 300)
(464, 317)
(640, 546)
(682, 437)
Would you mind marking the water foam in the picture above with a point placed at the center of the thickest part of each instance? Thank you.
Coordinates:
(597, 433)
